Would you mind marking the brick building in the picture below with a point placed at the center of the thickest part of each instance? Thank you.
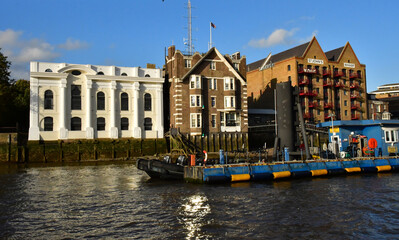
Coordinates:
(207, 92)
(378, 108)
(330, 83)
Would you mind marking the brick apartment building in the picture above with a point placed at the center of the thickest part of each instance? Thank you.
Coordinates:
(330, 83)
(207, 92)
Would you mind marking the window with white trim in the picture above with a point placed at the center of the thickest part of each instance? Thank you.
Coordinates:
(195, 82)
(213, 101)
(231, 120)
(222, 119)
(195, 120)
(391, 136)
(236, 66)
(212, 83)
(187, 63)
(195, 101)
(212, 65)
(229, 83)
(229, 101)
(213, 120)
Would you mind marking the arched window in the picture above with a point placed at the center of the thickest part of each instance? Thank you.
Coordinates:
(124, 123)
(48, 99)
(123, 74)
(147, 75)
(48, 70)
(147, 102)
(100, 101)
(100, 73)
(76, 124)
(147, 124)
(76, 102)
(100, 124)
(48, 124)
(76, 72)
(124, 102)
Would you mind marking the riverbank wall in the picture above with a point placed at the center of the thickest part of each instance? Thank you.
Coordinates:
(80, 150)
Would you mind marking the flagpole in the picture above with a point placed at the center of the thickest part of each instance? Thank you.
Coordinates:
(210, 34)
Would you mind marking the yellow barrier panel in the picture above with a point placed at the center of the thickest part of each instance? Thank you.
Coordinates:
(384, 168)
(240, 177)
(319, 172)
(283, 174)
(353, 169)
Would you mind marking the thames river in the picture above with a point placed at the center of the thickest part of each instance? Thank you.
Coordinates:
(118, 201)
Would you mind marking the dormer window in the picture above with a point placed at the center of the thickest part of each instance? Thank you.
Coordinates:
(147, 75)
(212, 65)
(76, 72)
(187, 63)
(195, 82)
(123, 74)
(100, 73)
(48, 70)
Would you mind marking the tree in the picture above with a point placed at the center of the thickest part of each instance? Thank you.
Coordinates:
(5, 93)
(4, 70)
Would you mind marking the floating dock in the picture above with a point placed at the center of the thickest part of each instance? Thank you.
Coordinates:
(293, 169)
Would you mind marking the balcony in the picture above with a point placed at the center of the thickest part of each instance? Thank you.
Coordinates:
(354, 75)
(355, 116)
(339, 85)
(327, 116)
(355, 106)
(327, 105)
(303, 82)
(355, 96)
(307, 115)
(326, 72)
(354, 86)
(308, 93)
(313, 104)
(339, 74)
(327, 83)
(307, 70)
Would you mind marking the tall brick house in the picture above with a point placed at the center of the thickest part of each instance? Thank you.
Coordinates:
(207, 92)
(330, 83)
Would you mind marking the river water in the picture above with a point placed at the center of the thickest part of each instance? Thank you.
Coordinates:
(118, 201)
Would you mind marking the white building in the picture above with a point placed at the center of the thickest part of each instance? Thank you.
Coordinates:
(72, 101)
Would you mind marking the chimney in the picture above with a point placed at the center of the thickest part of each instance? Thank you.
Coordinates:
(171, 51)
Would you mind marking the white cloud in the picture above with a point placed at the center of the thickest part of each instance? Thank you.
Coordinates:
(21, 51)
(73, 44)
(278, 37)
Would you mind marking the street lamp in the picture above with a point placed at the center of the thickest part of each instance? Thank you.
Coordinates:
(332, 115)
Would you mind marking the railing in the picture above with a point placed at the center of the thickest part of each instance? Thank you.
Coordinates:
(339, 74)
(354, 96)
(326, 72)
(327, 83)
(354, 86)
(355, 116)
(339, 85)
(303, 81)
(327, 105)
(354, 75)
(355, 106)
(308, 93)
(313, 104)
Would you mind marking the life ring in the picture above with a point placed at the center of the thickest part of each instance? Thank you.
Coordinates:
(206, 156)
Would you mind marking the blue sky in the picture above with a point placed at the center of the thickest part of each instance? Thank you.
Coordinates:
(136, 32)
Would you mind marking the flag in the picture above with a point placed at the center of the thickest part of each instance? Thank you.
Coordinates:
(213, 25)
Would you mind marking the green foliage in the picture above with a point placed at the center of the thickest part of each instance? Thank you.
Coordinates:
(14, 98)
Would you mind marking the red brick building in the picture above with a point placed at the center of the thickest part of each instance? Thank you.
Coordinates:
(331, 83)
(207, 92)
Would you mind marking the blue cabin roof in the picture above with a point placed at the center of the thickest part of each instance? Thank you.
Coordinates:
(363, 123)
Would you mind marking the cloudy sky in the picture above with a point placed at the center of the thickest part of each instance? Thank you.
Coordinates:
(136, 32)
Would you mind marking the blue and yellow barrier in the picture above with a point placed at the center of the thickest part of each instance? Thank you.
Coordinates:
(281, 170)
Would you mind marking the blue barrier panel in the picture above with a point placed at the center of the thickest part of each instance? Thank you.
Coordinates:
(394, 162)
(350, 164)
(335, 168)
(261, 172)
(280, 167)
(367, 166)
(299, 170)
(316, 165)
(237, 169)
(381, 162)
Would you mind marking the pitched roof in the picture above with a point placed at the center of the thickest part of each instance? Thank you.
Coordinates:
(225, 61)
(333, 55)
(297, 51)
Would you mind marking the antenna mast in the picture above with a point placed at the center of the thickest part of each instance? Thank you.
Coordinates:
(190, 47)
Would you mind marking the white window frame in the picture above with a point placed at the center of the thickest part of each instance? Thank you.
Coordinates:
(229, 102)
(229, 83)
(236, 66)
(196, 80)
(212, 65)
(213, 97)
(187, 63)
(222, 119)
(213, 83)
(390, 135)
(213, 120)
(195, 120)
(195, 103)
